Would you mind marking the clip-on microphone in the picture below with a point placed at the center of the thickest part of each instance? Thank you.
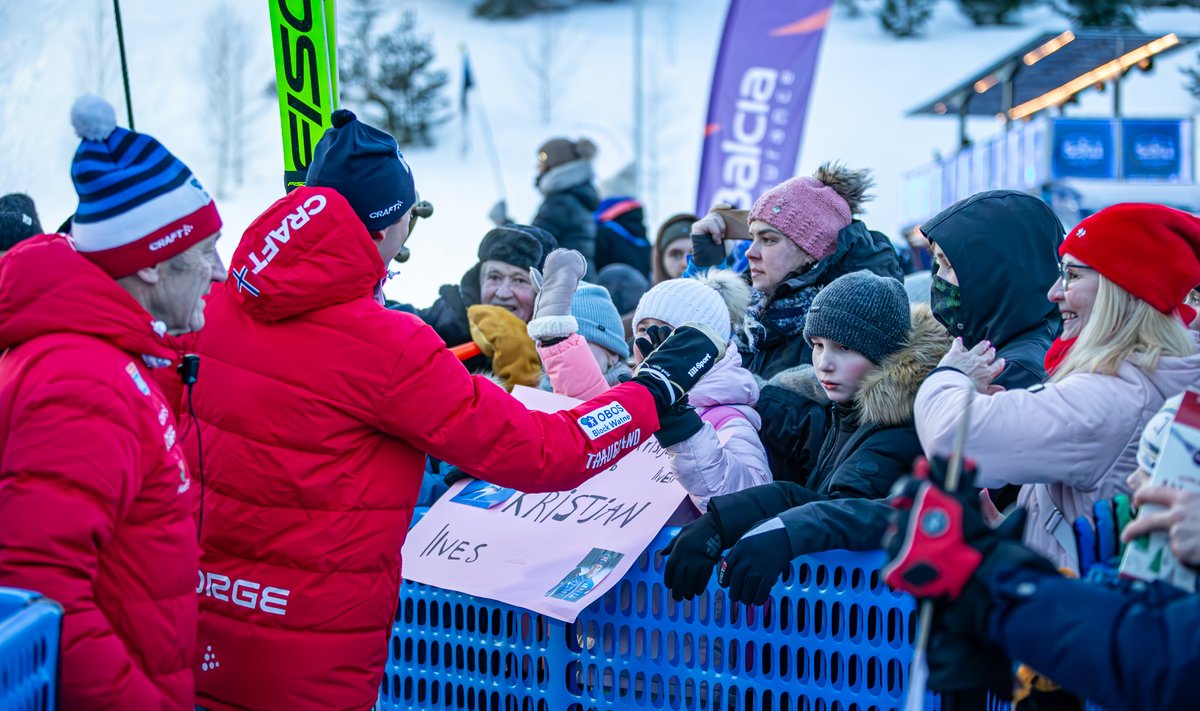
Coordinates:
(189, 373)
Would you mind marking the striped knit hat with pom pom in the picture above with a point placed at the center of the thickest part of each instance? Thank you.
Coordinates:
(138, 204)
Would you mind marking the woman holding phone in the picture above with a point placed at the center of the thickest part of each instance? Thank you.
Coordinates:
(803, 235)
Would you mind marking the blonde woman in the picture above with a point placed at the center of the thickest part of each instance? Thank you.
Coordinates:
(1123, 351)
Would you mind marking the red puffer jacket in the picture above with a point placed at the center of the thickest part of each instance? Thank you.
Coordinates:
(316, 407)
(95, 501)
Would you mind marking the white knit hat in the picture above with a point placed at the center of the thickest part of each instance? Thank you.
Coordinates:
(677, 301)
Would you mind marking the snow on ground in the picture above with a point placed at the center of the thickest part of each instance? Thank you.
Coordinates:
(866, 82)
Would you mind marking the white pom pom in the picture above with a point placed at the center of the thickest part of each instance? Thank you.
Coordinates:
(93, 118)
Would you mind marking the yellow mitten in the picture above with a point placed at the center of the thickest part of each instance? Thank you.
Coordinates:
(505, 339)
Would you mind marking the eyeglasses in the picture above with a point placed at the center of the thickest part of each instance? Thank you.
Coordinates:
(1063, 273)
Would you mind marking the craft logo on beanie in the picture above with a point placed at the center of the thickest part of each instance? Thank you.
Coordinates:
(1151, 251)
(366, 167)
(138, 204)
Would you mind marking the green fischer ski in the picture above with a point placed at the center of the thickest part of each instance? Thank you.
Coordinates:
(305, 40)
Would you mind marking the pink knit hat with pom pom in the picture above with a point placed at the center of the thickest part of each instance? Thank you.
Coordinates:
(807, 211)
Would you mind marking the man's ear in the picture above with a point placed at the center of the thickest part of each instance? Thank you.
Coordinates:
(376, 235)
(149, 275)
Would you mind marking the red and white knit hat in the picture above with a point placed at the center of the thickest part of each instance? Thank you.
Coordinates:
(138, 204)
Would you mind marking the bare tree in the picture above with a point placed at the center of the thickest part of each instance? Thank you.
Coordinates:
(224, 60)
(548, 58)
(96, 57)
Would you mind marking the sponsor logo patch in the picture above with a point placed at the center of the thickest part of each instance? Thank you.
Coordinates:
(138, 380)
(603, 420)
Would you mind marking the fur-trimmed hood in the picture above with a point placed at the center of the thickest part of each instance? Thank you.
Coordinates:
(887, 393)
(566, 176)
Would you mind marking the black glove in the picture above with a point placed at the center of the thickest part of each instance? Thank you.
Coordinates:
(678, 424)
(691, 556)
(674, 368)
(940, 548)
(706, 253)
(681, 421)
(756, 562)
(655, 337)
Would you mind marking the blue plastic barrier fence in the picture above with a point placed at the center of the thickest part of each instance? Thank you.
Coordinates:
(29, 632)
(833, 636)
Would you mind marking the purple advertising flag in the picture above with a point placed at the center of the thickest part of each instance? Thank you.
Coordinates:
(760, 89)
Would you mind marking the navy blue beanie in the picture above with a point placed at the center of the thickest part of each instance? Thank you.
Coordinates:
(365, 165)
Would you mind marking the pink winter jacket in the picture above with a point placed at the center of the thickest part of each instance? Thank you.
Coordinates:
(704, 466)
(1067, 444)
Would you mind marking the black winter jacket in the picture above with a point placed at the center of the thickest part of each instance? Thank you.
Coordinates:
(868, 446)
(567, 211)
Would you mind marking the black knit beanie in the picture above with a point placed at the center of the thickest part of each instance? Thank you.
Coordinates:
(862, 311)
(365, 165)
(519, 245)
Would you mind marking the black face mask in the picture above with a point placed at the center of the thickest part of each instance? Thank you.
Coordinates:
(945, 300)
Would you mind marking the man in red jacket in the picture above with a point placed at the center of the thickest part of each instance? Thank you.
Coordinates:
(316, 410)
(95, 497)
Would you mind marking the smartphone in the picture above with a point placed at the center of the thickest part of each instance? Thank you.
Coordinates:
(737, 223)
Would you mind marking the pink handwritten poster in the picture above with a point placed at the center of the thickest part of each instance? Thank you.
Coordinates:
(554, 553)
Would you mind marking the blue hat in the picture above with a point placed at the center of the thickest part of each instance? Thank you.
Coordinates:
(366, 167)
(598, 319)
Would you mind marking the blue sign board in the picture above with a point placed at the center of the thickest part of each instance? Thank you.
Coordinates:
(1152, 150)
(1083, 148)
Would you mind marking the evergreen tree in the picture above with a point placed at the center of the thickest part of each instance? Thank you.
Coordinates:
(1100, 13)
(905, 18)
(852, 8)
(406, 88)
(990, 12)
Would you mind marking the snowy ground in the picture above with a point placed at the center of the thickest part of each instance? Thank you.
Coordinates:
(866, 81)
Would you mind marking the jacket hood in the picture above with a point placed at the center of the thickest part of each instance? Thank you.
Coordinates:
(1003, 245)
(47, 287)
(576, 177)
(1175, 374)
(307, 251)
(857, 248)
(888, 392)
